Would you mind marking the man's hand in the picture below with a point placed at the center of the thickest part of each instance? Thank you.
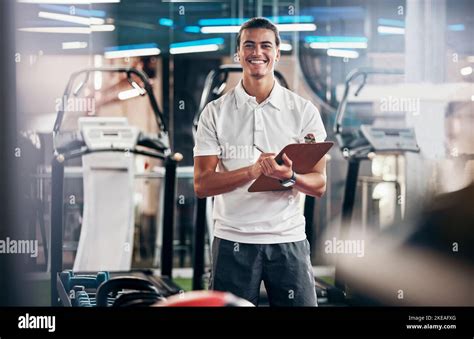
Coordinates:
(256, 169)
(271, 169)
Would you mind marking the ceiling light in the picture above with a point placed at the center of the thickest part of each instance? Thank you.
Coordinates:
(342, 53)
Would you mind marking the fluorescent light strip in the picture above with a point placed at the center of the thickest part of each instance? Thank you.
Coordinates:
(456, 27)
(213, 41)
(288, 19)
(69, 2)
(194, 49)
(69, 30)
(466, 70)
(97, 75)
(77, 11)
(296, 27)
(390, 30)
(132, 53)
(285, 47)
(74, 45)
(71, 18)
(166, 22)
(220, 29)
(281, 28)
(341, 53)
(192, 29)
(326, 45)
(391, 22)
(128, 94)
(334, 38)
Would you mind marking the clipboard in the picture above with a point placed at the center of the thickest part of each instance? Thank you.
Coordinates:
(304, 157)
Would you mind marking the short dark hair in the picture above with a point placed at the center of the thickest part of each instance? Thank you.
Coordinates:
(259, 23)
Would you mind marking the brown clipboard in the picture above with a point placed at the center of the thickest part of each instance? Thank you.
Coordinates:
(304, 158)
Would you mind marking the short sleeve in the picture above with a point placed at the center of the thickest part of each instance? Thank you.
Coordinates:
(206, 142)
(312, 125)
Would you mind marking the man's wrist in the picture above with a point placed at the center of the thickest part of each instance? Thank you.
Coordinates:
(288, 176)
(290, 182)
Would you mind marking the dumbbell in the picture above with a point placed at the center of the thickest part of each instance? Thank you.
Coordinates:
(81, 298)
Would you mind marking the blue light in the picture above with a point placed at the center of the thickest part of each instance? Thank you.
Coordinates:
(166, 22)
(290, 19)
(217, 41)
(456, 27)
(222, 22)
(192, 29)
(391, 22)
(310, 39)
(239, 21)
(129, 47)
(77, 11)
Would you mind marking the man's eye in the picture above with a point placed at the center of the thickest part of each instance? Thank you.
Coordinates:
(267, 46)
(248, 46)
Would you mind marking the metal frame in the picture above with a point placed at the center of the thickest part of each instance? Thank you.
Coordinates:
(57, 181)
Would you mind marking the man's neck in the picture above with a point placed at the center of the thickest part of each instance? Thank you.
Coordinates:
(258, 88)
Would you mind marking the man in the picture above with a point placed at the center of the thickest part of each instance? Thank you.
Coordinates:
(258, 236)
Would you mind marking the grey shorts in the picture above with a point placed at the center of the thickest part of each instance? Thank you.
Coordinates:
(284, 268)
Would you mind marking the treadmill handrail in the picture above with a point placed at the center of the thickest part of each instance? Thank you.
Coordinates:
(355, 73)
(160, 121)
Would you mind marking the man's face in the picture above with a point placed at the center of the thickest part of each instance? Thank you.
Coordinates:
(258, 52)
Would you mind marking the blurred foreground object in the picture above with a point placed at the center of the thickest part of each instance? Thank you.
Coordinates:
(433, 265)
(204, 299)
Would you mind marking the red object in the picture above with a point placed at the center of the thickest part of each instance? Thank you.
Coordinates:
(204, 299)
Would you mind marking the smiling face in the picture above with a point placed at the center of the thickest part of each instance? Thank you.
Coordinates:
(258, 52)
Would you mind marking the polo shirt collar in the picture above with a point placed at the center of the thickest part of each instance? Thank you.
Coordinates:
(275, 98)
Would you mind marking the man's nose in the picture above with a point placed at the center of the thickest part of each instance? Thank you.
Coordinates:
(257, 50)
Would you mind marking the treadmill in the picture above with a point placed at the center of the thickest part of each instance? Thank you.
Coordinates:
(102, 134)
(356, 146)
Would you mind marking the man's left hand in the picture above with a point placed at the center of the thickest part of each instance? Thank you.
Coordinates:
(271, 169)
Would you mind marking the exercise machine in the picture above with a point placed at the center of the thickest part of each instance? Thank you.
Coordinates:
(106, 135)
(359, 145)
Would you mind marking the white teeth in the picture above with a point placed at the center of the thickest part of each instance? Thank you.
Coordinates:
(257, 61)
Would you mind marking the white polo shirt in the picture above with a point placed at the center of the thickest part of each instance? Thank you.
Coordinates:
(228, 127)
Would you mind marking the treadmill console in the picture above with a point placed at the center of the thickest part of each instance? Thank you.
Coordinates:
(391, 139)
(108, 133)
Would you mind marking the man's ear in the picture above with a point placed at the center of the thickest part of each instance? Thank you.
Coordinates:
(278, 54)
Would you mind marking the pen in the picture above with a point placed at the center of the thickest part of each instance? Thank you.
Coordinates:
(261, 150)
(279, 161)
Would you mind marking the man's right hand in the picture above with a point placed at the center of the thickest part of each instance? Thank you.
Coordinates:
(256, 169)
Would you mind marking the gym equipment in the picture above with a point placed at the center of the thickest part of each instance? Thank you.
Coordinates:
(116, 289)
(214, 87)
(110, 135)
(364, 143)
(359, 145)
(145, 293)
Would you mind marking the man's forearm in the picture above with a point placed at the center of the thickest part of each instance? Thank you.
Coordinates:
(214, 183)
(313, 184)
